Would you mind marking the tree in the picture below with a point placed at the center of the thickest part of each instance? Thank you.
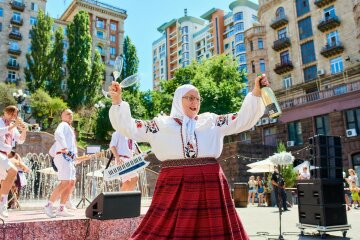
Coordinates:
(131, 60)
(79, 60)
(56, 61)
(6, 96)
(96, 77)
(38, 68)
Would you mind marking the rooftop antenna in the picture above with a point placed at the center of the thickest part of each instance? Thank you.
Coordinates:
(185, 12)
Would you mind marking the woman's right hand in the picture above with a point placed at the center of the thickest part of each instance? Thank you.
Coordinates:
(115, 92)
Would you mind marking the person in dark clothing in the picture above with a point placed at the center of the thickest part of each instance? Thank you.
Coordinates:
(279, 185)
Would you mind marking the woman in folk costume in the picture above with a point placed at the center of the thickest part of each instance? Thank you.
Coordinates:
(191, 199)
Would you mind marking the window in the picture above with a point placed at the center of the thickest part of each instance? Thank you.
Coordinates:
(113, 26)
(30, 33)
(100, 23)
(100, 49)
(34, 7)
(239, 37)
(270, 136)
(353, 119)
(185, 30)
(310, 73)
(185, 39)
(162, 62)
(245, 137)
(284, 57)
(254, 18)
(251, 46)
(1, 12)
(100, 34)
(16, 29)
(262, 65)
(17, 17)
(186, 55)
(260, 43)
(253, 70)
(12, 61)
(322, 125)
(11, 75)
(112, 51)
(329, 12)
(65, 43)
(242, 67)
(242, 58)
(287, 82)
(308, 52)
(238, 16)
(239, 27)
(240, 48)
(64, 58)
(33, 20)
(227, 45)
(112, 38)
(295, 133)
(336, 65)
(0, 27)
(332, 38)
(282, 33)
(305, 29)
(65, 31)
(302, 7)
(280, 13)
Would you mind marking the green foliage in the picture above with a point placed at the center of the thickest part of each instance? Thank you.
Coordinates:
(6, 98)
(43, 106)
(97, 75)
(131, 60)
(287, 172)
(38, 60)
(103, 128)
(56, 62)
(79, 60)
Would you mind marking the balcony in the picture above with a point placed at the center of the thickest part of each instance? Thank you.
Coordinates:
(324, 94)
(12, 81)
(15, 35)
(279, 22)
(283, 67)
(14, 51)
(332, 49)
(281, 44)
(17, 22)
(19, 6)
(328, 23)
(321, 3)
(13, 66)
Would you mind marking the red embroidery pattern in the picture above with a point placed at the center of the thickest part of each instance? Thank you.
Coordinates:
(222, 119)
(138, 123)
(151, 126)
(234, 116)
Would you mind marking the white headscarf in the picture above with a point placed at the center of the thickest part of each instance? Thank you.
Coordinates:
(188, 124)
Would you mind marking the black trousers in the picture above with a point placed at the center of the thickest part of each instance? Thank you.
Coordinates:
(282, 195)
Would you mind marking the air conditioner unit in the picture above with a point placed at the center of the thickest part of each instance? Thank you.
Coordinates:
(351, 132)
(273, 120)
(290, 143)
(258, 123)
(320, 72)
(265, 121)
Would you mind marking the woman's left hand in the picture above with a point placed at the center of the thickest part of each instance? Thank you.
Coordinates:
(260, 81)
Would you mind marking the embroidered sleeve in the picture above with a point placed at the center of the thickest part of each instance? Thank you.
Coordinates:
(138, 130)
(250, 112)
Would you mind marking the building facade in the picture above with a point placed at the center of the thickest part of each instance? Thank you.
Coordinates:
(190, 38)
(16, 20)
(314, 67)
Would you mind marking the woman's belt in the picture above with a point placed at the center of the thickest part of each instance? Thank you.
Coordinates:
(188, 162)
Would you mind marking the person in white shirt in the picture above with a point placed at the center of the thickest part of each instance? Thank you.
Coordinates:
(191, 199)
(65, 151)
(9, 125)
(305, 175)
(123, 150)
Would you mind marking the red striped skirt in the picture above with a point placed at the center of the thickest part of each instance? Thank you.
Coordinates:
(191, 201)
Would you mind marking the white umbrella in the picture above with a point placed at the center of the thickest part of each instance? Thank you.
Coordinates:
(265, 162)
(261, 169)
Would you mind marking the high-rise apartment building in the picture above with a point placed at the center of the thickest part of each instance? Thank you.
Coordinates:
(17, 18)
(313, 59)
(189, 38)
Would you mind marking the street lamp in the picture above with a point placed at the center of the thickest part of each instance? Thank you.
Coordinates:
(19, 97)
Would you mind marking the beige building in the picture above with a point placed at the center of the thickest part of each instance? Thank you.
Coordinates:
(16, 20)
(313, 56)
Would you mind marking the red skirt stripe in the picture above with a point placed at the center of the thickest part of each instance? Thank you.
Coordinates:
(191, 202)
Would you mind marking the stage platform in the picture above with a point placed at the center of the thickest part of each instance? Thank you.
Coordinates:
(34, 224)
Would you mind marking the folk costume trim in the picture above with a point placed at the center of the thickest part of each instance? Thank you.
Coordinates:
(189, 151)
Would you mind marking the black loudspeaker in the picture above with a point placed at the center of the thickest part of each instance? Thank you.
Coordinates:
(320, 192)
(115, 205)
(325, 153)
(322, 215)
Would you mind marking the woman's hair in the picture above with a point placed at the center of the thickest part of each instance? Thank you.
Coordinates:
(11, 109)
(351, 170)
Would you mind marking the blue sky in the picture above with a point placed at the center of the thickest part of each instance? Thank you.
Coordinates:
(144, 17)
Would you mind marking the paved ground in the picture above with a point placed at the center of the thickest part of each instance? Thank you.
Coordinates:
(265, 220)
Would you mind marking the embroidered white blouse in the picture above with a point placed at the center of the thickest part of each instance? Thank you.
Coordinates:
(3, 131)
(164, 133)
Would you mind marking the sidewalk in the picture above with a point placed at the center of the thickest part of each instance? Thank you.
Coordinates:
(266, 220)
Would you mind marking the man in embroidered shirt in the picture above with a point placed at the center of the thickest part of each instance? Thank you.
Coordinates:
(9, 123)
(65, 156)
(122, 149)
